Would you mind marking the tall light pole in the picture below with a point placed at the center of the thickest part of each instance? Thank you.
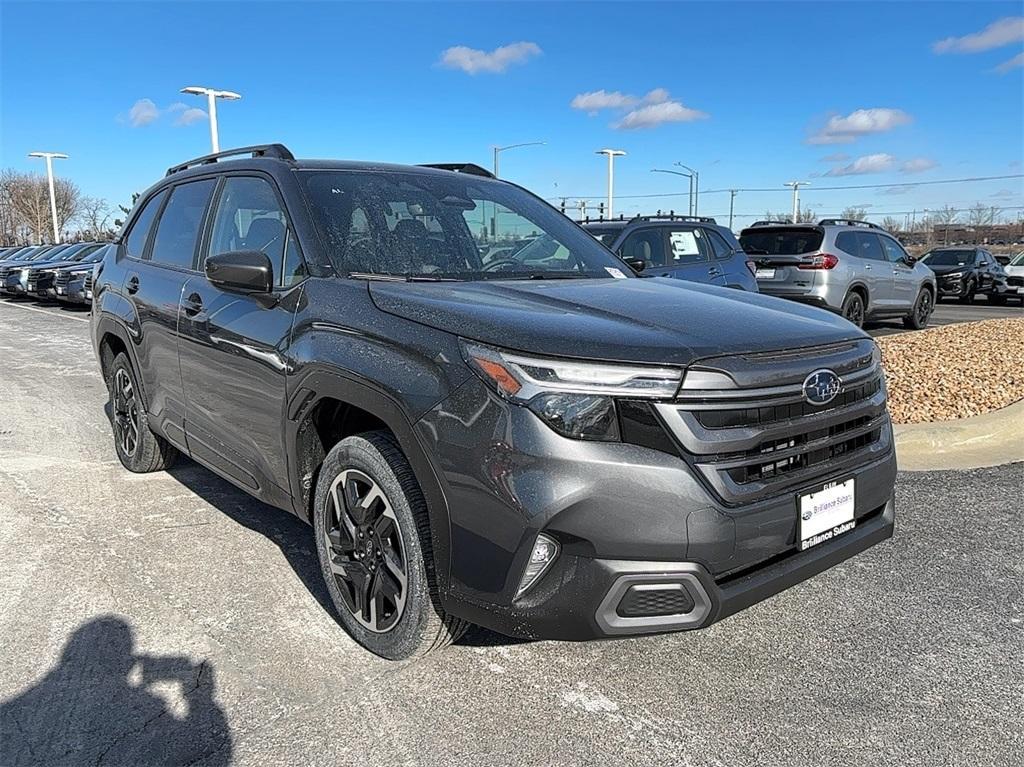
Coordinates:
(499, 149)
(611, 154)
(732, 199)
(689, 207)
(211, 101)
(796, 197)
(696, 187)
(50, 157)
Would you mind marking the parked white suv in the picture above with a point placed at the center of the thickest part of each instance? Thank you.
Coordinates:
(854, 268)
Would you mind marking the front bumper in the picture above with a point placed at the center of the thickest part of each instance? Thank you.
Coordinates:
(583, 600)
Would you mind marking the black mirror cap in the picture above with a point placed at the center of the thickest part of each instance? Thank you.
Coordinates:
(246, 270)
(636, 264)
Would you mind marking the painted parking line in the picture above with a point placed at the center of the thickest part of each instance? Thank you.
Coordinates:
(44, 311)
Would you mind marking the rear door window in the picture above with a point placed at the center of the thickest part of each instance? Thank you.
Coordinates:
(861, 244)
(688, 246)
(893, 250)
(779, 241)
(721, 248)
(177, 233)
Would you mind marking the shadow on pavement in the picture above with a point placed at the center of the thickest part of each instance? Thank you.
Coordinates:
(99, 705)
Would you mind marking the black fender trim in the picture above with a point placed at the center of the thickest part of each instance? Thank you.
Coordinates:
(107, 325)
(307, 391)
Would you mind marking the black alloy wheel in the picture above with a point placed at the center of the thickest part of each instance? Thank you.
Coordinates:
(126, 413)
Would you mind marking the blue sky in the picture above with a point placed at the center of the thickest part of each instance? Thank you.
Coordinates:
(744, 92)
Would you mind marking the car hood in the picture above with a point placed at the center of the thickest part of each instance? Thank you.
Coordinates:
(948, 269)
(638, 320)
(1014, 271)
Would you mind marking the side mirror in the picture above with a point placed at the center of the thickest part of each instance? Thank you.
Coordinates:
(909, 260)
(245, 270)
(636, 264)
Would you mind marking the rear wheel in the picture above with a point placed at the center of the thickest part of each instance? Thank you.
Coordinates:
(138, 448)
(922, 311)
(373, 542)
(853, 309)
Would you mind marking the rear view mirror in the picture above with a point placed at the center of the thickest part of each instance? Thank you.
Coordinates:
(245, 270)
(636, 264)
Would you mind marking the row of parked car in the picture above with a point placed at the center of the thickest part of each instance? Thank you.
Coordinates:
(854, 268)
(51, 272)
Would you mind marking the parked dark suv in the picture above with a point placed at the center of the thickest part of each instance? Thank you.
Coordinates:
(963, 273)
(550, 448)
(684, 247)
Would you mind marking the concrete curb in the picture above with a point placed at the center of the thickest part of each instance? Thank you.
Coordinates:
(968, 443)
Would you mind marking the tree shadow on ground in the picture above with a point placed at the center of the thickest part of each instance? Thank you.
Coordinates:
(105, 703)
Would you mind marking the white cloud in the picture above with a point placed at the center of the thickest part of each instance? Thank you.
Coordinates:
(870, 163)
(472, 61)
(143, 112)
(594, 101)
(1004, 193)
(1008, 66)
(652, 115)
(847, 129)
(186, 114)
(898, 189)
(918, 165)
(995, 35)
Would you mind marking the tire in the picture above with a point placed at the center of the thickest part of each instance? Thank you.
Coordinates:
(853, 309)
(365, 550)
(138, 448)
(969, 291)
(922, 311)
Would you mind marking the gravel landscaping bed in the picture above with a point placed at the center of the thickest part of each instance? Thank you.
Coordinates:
(954, 371)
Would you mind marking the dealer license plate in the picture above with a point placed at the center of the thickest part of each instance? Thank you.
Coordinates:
(765, 274)
(826, 513)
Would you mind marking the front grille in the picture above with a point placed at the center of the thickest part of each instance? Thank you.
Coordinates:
(754, 441)
(62, 279)
(88, 282)
(1017, 282)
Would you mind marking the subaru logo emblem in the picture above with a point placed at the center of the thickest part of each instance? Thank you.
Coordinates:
(821, 387)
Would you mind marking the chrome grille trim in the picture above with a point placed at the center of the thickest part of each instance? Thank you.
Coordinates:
(708, 399)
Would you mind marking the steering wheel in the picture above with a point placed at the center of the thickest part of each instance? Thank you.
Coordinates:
(499, 265)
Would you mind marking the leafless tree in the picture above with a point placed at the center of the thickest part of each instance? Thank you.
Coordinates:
(94, 217)
(854, 213)
(947, 214)
(981, 214)
(27, 197)
(891, 224)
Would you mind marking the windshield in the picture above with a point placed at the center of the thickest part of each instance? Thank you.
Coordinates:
(606, 237)
(949, 258)
(447, 226)
(1017, 260)
(776, 241)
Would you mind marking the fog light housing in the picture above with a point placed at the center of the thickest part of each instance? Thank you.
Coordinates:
(545, 551)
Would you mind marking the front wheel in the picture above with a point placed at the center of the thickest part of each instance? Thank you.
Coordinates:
(853, 309)
(373, 541)
(922, 311)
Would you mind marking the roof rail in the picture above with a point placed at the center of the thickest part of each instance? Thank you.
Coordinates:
(277, 151)
(459, 167)
(784, 221)
(673, 216)
(846, 222)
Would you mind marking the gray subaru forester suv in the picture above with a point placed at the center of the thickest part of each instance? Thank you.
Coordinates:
(854, 268)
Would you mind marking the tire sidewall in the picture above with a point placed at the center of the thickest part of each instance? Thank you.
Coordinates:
(848, 302)
(130, 462)
(406, 637)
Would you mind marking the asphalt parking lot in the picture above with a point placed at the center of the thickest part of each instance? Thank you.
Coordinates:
(170, 619)
(950, 313)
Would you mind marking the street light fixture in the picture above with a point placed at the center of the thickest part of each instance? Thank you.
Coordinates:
(50, 157)
(499, 149)
(611, 154)
(696, 187)
(680, 173)
(796, 197)
(211, 99)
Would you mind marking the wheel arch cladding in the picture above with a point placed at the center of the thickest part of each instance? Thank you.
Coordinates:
(114, 341)
(327, 407)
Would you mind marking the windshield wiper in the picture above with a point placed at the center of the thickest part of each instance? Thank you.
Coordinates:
(399, 277)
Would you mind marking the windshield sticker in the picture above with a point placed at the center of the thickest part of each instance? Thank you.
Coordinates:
(615, 273)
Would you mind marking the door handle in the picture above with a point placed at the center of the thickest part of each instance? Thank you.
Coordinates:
(714, 271)
(193, 305)
(133, 284)
(867, 267)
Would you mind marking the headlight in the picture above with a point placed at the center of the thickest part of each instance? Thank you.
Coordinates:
(574, 397)
(957, 275)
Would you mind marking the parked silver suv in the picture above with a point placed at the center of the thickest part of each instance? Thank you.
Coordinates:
(854, 268)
